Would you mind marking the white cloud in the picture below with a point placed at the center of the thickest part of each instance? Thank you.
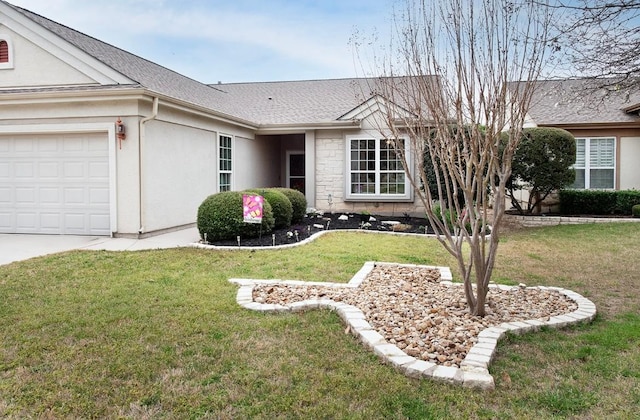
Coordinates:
(210, 41)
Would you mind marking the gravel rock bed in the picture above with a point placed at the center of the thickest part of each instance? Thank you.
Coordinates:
(425, 318)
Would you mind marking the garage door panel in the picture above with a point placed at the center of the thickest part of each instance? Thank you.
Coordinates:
(99, 171)
(26, 222)
(49, 195)
(6, 197)
(48, 170)
(48, 145)
(74, 196)
(74, 221)
(50, 221)
(98, 196)
(26, 196)
(56, 184)
(73, 144)
(74, 170)
(24, 170)
(25, 145)
(7, 221)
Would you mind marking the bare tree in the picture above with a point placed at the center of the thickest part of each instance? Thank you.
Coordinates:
(599, 39)
(457, 86)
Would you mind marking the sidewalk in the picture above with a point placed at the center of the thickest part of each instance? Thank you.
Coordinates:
(18, 247)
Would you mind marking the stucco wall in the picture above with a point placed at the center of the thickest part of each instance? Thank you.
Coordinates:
(254, 163)
(629, 168)
(179, 172)
(29, 62)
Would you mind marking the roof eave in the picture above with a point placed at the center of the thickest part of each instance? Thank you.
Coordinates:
(29, 96)
(598, 125)
(297, 128)
(115, 93)
(632, 109)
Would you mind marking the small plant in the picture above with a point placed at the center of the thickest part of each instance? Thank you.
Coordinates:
(365, 216)
(635, 210)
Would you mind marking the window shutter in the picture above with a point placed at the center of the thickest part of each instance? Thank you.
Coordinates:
(602, 153)
(4, 52)
(580, 153)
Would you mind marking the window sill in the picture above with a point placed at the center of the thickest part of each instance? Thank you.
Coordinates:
(379, 199)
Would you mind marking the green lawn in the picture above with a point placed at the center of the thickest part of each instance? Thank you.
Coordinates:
(158, 334)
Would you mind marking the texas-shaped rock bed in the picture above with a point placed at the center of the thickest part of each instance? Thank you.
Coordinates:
(420, 318)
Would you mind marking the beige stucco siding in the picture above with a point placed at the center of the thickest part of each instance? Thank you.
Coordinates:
(179, 172)
(253, 163)
(29, 61)
(629, 167)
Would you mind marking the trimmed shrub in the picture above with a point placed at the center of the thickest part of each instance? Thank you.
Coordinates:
(598, 202)
(280, 204)
(298, 203)
(221, 216)
(541, 164)
(635, 210)
(626, 199)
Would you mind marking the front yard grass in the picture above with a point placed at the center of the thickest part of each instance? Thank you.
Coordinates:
(157, 334)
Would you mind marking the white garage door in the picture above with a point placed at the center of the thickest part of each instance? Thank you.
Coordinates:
(54, 184)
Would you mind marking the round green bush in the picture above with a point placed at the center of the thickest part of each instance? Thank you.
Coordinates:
(298, 203)
(635, 210)
(221, 216)
(282, 208)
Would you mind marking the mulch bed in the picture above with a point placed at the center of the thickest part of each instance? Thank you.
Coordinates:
(311, 225)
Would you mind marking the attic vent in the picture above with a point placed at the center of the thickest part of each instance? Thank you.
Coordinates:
(4, 52)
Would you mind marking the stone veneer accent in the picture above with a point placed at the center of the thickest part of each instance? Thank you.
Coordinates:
(474, 370)
(330, 179)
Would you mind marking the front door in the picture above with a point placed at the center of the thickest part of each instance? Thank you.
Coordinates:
(295, 171)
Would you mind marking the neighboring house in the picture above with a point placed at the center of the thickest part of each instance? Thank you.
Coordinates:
(606, 124)
(65, 167)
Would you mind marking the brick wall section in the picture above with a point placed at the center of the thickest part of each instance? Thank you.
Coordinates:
(535, 221)
(330, 179)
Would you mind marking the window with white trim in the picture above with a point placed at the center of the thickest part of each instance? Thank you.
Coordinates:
(225, 162)
(595, 163)
(375, 170)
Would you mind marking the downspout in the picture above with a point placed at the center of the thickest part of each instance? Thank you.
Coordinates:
(154, 114)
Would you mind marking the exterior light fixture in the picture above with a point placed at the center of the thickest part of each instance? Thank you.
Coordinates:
(120, 131)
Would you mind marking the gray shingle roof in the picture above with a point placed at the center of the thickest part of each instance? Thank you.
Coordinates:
(299, 102)
(581, 102)
(266, 103)
(147, 74)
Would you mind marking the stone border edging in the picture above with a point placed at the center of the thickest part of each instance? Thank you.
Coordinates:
(474, 369)
(304, 241)
(537, 221)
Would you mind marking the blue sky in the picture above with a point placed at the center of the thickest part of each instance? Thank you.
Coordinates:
(231, 40)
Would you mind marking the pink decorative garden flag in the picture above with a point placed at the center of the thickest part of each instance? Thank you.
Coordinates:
(252, 208)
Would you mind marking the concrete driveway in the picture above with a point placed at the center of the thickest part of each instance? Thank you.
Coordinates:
(17, 247)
